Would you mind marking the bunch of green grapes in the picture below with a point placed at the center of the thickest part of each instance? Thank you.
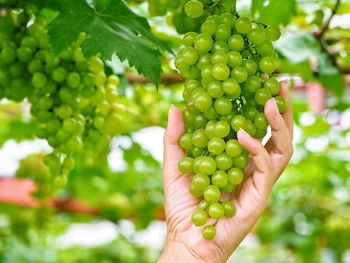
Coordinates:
(228, 68)
(73, 100)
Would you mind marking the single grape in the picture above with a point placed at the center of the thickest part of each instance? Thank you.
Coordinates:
(194, 8)
(223, 32)
(233, 148)
(207, 165)
(268, 64)
(208, 27)
(234, 59)
(253, 83)
(240, 162)
(204, 204)
(189, 38)
(223, 106)
(243, 25)
(235, 176)
(185, 141)
(209, 232)
(215, 89)
(186, 165)
(210, 129)
(216, 211)
(236, 43)
(222, 129)
(262, 96)
(281, 103)
(199, 217)
(240, 74)
(212, 194)
(273, 33)
(200, 182)
(256, 36)
(219, 57)
(220, 71)
(219, 178)
(216, 145)
(199, 139)
(203, 43)
(273, 86)
(229, 208)
(261, 121)
(238, 122)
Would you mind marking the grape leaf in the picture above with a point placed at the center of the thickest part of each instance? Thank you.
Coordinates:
(273, 12)
(112, 30)
(300, 47)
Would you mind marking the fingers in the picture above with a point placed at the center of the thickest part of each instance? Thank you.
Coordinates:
(288, 115)
(172, 151)
(281, 137)
(258, 152)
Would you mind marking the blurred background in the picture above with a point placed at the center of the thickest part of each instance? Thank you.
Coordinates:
(112, 207)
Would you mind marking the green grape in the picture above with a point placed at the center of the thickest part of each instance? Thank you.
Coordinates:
(228, 189)
(250, 128)
(234, 59)
(216, 145)
(223, 161)
(222, 129)
(203, 43)
(240, 74)
(73, 80)
(223, 32)
(256, 36)
(273, 33)
(227, 18)
(261, 121)
(229, 208)
(233, 148)
(193, 9)
(204, 204)
(199, 217)
(39, 80)
(189, 38)
(186, 165)
(262, 96)
(241, 161)
(200, 182)
(253, 83)
(223, 106)
(209, 232)
(220, 45)
(219, 57)
(185, 141)
(207, 166)
(204, 61)
(199, 139)
(208, 27)
(190, 55)
(265, 49)
(216, 211)
(220, 71)
(203, 101)
(235, 176)
(210, 129)
(281, 104)
(268, 64)
(238, 122)
(196, 152)
(243, 25)
(260, 133)
(231, 88)
(236, 43)
(195, 191)
(273, 86)
(212, 194)
(219, 179)
(215, 89)
(250, 66)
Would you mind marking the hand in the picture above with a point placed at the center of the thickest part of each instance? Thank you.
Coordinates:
(184, 240)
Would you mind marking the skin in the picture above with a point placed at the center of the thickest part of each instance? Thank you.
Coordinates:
(184, 240)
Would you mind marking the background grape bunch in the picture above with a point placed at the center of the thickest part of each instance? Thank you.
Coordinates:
(72, 98)
(228, 67)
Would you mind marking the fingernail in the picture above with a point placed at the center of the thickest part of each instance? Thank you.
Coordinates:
(243, 132)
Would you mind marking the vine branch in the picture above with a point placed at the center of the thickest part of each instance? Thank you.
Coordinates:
(328, 22)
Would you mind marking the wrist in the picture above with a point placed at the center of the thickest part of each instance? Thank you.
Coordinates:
(175, 252)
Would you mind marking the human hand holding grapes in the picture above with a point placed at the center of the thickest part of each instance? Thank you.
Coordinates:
(184, 240)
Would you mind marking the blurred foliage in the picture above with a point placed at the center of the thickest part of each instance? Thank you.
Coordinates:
(309, 210)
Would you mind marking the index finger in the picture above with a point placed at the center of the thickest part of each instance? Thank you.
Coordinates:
(173, 153)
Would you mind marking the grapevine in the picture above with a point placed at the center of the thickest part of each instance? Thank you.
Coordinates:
(72, 99)
(228, 66)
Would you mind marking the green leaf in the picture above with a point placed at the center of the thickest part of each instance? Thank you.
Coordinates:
(273, 12)
(330, 76)
(299, 48)
(115, 29)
